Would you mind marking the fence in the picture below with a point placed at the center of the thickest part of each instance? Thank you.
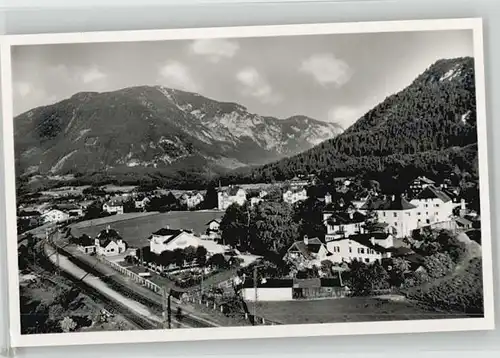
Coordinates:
(135, 277)
(222, 307)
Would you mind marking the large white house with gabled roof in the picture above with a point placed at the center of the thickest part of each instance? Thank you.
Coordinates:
(167, 239)
(231, 195)
(433, 206)
(396, 212)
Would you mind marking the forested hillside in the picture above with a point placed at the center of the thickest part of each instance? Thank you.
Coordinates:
(427, 128)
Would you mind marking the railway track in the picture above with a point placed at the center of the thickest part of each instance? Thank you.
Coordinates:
(155, 305)
(46, 268)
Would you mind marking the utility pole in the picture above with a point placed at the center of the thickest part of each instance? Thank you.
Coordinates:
(256, 296)
(167, 312)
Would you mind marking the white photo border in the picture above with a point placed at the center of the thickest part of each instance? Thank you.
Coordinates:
(193, 334)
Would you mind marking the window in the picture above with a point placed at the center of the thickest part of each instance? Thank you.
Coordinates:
(426, 205)
(395, 215)
(383, 213)
(350, 249)
(437, 205)
(367, 260)
(418, 213)
(361, 250)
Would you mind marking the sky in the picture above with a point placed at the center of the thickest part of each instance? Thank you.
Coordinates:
(334, 78)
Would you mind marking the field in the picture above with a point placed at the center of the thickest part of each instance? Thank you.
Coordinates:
(352, 309)
(136, 229)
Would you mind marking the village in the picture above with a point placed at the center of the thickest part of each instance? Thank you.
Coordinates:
(213, 242)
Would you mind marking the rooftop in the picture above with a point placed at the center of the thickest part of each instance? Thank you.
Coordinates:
(431, 192)
(342, 218)
(388, 203)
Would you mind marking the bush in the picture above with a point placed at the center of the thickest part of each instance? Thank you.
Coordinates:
(365, 280)
(438, 265)
(463, 292)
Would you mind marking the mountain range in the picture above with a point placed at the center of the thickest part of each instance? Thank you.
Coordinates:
(154, 128)
(427, 128)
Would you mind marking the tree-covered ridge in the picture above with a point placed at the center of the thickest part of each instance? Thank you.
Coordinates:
(427, 128)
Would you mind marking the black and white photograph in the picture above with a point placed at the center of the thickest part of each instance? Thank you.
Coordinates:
(273, 181)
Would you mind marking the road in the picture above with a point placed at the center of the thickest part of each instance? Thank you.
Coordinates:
(148, 306)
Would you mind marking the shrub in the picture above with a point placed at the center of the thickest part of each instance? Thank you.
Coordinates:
(438, 265)
(463, 292)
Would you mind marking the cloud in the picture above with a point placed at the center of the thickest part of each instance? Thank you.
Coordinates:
(326, 69)
(176, 75)
(23, 89)
(215, 49)
(255, 85)
(345, 116)
(92, 75)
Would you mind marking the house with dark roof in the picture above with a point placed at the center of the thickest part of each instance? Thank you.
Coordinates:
(433, 206)
(114, 206)
(343, 224)
(86, 245)
(233, 194)
(395, 211)
(307, 252)
(109, 243)
(167, 239)
(366, 248)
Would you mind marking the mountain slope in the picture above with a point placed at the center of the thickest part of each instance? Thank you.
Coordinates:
(430, 127)
(146, 128)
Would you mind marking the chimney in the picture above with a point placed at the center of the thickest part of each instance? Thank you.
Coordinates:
(462, 204)
(351, 215)
(167, 227)
(372, 240)
(306, 240)
(107, 229)
(393, 197)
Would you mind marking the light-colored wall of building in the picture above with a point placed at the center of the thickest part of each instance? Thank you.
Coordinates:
(182, 241)
(214, 226)
(114, 248)
(404, 221)
(349, 250)
(55, 216)
(267, 294)
(225, 200)
(332, 231)
(294, 197)
(430, 211)
(118, 209)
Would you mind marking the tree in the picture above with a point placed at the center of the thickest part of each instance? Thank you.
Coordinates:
(234, 226)
(397, 269)
(438, 265)
(67, 324)
(326, 267)
(218, 261)
(166, 258)
(201, 255)
(129, 206)
(450, 244)
(365, 280)
(190, 253)
(273, 228)
(178, 256)
(211, 199)
(309, 216)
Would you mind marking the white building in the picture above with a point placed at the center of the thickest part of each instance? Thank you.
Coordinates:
(168, 240)
(140, 203)
(432, 206)
(366, 248)
(109, 243)
(292, 196)
(396, 212)
(192, 199)
(230, 196)
(55, 216)
(86, 245)
(113, 206)
(307, 252)
(343, 224)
